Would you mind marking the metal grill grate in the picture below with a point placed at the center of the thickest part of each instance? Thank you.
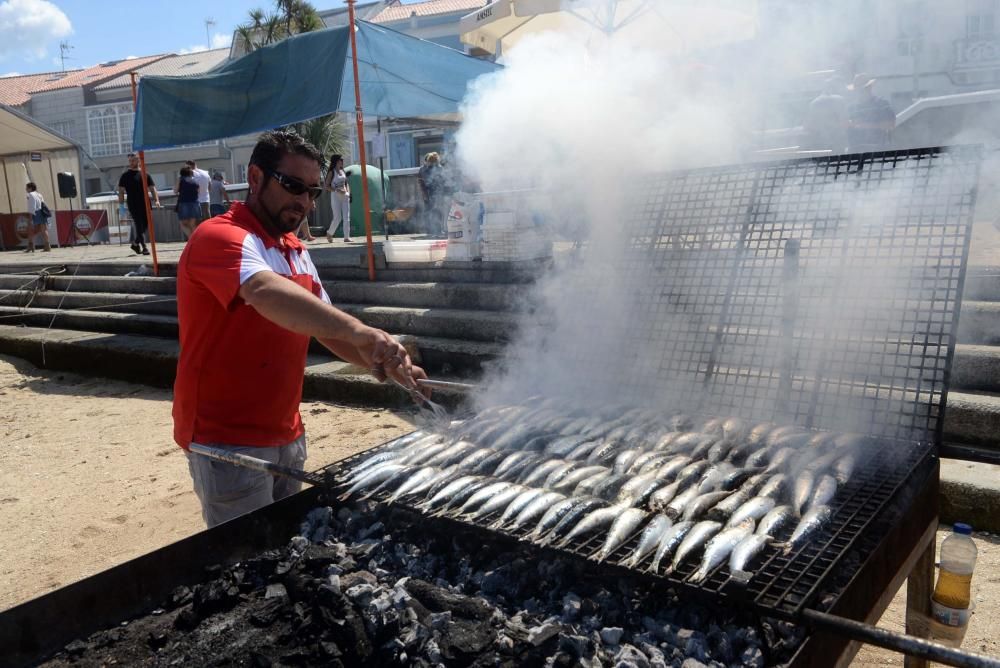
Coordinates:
(822, 292)
(782, 583)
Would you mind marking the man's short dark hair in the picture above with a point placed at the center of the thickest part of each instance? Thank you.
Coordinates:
(273, 146)
(31, 186)
(190, 163)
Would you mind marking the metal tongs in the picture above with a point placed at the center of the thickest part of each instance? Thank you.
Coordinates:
(439, 411)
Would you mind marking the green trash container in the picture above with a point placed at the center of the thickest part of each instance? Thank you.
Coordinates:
(375, 202)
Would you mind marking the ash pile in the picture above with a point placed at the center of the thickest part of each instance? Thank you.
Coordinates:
(379, 586)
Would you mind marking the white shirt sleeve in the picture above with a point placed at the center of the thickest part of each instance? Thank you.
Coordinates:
(252, 260)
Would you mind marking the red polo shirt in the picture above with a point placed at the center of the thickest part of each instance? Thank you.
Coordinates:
(239, 377)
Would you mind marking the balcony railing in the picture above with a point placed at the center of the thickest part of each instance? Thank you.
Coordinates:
(977, 52)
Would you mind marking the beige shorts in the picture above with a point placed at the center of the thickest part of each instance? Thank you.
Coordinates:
(227, 491)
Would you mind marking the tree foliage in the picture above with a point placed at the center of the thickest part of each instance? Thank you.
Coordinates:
(291, 17)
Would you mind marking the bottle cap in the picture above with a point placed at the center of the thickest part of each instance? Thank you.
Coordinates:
(963, 529)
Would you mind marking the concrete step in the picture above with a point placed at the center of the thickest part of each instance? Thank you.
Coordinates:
(437, 355)
(476, 296)
(976, 368)
(979, 323)
(92, 268)
(118, 302)
(449, 323)
(153, 361)
(982, 284)
(445, 272)
(70, 283)
(973, 418)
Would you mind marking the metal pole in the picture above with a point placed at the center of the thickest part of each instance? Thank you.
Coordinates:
(145, 187)
(360, 116)
(899, 642)
(381, 169)
(246, 461)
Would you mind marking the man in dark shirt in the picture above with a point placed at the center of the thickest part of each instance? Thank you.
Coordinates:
(130, 193)
(871, 117)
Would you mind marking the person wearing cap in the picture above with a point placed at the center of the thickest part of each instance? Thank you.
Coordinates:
(825, 124)
(871, 119)
(217, 195)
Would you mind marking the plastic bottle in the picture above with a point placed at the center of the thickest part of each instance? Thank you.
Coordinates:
(952, 595)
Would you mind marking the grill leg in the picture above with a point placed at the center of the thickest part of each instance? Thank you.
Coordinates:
(919, 587)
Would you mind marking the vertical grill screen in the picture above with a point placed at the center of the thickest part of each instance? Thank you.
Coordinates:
(821, 292)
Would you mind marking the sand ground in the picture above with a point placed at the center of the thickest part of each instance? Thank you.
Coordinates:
(89, 478)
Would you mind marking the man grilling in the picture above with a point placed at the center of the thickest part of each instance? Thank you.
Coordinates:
(248, 300)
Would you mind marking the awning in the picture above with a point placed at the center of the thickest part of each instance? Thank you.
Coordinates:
(303, 77)
(29, 151)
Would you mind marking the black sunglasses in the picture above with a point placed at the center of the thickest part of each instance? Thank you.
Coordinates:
(295, 186)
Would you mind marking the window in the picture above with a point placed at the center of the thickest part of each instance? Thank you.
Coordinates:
(241, 173)
(910, 28)
(980, 19)
(62, 127)
(110, 129)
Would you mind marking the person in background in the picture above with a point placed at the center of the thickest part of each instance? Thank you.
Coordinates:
(871, 119)
(340, 197)
(187, 201)
(248, 300)
(217, 195)
(38, 220)
(429, 178)
(130, 193)
(203, 180)
(825, 124)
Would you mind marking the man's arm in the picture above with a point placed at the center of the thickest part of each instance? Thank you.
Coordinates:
(296, 309)
(153, 195)
(121, 194)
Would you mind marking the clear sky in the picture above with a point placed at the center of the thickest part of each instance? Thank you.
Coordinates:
(99, 31)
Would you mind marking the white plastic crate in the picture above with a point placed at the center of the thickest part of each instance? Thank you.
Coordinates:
(507, 243)
(429, 250)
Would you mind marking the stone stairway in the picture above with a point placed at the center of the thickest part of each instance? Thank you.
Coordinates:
(455, 321)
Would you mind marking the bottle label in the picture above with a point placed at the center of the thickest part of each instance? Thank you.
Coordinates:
(949, 616)
(953, 589)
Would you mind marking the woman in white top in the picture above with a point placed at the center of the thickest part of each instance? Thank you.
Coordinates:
(38, 220)
(340, 197)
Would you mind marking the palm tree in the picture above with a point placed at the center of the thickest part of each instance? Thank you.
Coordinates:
(291, 17)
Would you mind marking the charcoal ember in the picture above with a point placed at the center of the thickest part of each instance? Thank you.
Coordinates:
(462, 640)
(548, 629)
(258, 660)
(299, 586)
(187, 619)
(363, 549)
(341, 624)
(693, 663)
(752, 657)
(588, 607)
(576, 646)
(107, 638)
(361, 594)
(346, 565)
(571, 605)
(275, 591)
(157, 640)
(612, 635)
(298, 544)
(76, 649)
(375, 529)
(720, 647)
(500, 582)
(180, 596)
(267, 612)
(356, 578)
(440, 620)
(317, 557)
(628, 656)
(316, 525)
(437, 599)
(654, 654)
(692, 643)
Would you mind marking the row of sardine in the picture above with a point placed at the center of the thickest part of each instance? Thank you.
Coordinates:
(723, 490)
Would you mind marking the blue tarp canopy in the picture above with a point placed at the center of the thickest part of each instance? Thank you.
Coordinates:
(303, 77)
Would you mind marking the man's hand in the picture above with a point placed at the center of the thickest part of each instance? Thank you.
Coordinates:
(387, 358)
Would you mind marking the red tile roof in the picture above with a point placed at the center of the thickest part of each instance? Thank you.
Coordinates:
(399, 11)
(17, 90)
